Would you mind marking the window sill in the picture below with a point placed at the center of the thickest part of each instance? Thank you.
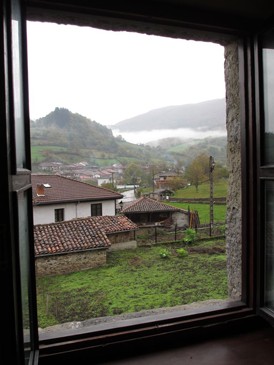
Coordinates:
(159, 329)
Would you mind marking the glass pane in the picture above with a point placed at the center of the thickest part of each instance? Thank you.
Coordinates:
(269, 244)
(18, 84)
(24, 267)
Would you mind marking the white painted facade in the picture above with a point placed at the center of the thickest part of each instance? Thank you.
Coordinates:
(44, 214)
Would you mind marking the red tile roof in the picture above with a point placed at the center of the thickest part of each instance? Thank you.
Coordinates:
(74, 235)
(116, 223)
(145, 204)
(78, 234)
(65, 190)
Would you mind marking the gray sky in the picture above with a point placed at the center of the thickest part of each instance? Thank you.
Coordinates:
(111, 76)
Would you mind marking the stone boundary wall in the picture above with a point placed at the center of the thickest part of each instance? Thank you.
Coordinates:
(217, 201)
(69, 262)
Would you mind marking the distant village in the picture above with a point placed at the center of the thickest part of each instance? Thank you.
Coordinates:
(82, 171)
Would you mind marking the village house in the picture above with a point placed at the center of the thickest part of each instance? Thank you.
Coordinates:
(164, 180)
(147, 211)
(161, 194)
(56, 199)
(50, 166)
(80, 244)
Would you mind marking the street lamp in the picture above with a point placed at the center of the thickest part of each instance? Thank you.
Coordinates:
(211, 168)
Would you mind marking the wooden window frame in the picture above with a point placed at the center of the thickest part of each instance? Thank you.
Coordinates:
(98, 210)
(57, 213)
(171, 328)
(265, 173)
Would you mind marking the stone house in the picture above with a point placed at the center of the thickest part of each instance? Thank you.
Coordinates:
(147, 211)
(80, 244)
(56, 199)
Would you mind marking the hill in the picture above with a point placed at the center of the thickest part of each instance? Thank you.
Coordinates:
(67, 137)
(70, 137)
(208, 115)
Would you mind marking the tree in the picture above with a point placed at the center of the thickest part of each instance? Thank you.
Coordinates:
(220, 172)
(198, 171)
(176, 182)
(132, 173)
(109, 186)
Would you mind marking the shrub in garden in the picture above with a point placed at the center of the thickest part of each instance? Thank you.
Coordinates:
(182, 252)
(164, 253)
(191, 235)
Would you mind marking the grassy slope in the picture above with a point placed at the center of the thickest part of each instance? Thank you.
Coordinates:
(183, 146)
(133, 280)
(36, 151)
(220, 191)
(219, 211)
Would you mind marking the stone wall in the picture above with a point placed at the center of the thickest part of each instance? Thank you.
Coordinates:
(120, 246)
(234, 213)
(181, 219)
(70, 262)
(120, 237)
(122, 241)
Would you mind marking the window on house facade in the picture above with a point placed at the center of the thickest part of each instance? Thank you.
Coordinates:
(59, 215)
(96, 210)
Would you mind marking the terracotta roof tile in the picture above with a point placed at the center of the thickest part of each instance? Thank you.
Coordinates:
(78, 234)
(117, 223)
(149, 205)
(65, 189)
(74, 235)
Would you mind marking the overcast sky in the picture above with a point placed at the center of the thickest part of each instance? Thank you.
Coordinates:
(111, 76)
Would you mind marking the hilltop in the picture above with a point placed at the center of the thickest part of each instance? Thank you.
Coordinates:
(68, 137)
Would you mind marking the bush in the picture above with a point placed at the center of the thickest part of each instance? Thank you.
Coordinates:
(182, 252)
(191, 235)
(164, 253)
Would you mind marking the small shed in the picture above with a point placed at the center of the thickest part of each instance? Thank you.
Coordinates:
(147, 211)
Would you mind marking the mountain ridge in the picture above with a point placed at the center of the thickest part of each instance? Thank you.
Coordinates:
(207, 115)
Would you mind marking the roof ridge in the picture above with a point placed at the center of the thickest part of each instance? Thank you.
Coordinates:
(82, 182)
(150, 200)
(138, 200)
(95, 219)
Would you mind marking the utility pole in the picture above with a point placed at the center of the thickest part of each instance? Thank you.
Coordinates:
(211, 168)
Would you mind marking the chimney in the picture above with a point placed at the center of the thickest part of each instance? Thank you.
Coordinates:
(40, 190)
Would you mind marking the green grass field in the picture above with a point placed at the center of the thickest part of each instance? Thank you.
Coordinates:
(219, 211)
(183, 146)
(219, 188)
(135, 280)
(36, 152)
(105, 161)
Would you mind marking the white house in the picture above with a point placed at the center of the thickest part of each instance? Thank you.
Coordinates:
(56, 199)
